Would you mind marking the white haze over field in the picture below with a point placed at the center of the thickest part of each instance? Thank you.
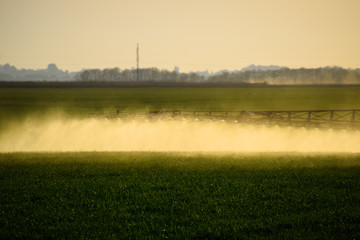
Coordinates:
(61, 134)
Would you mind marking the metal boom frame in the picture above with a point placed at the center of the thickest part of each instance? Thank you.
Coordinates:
(307, 118)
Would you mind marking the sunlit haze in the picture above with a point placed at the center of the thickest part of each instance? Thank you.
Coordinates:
(57, 133)
(193, 35)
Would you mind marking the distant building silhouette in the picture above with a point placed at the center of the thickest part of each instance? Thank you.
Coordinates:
(176, 69)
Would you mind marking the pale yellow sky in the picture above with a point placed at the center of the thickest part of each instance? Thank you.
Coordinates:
(191, 34)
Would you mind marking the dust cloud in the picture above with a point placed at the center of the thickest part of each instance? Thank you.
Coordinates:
(62, 134)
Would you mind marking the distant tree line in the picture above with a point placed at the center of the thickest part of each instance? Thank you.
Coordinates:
(327, 75)
(51, 73)
(130, 75)
(250, 75)
(293, 76)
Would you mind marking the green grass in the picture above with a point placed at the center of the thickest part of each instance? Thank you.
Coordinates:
(17, 102)
(179, 196)
(160, 195)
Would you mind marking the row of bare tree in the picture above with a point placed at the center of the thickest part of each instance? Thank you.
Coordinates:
(281, 76)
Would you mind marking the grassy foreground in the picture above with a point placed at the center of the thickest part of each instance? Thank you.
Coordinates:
(179, 196)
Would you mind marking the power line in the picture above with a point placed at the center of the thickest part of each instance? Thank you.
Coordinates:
(137, 62)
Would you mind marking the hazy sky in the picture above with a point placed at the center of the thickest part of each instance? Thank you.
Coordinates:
(191, 34)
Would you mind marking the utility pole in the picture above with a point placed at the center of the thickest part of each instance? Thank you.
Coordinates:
(137, 63)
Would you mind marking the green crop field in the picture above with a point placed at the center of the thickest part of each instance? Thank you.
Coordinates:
(182, 196)
(146, 195)
(15, 102)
